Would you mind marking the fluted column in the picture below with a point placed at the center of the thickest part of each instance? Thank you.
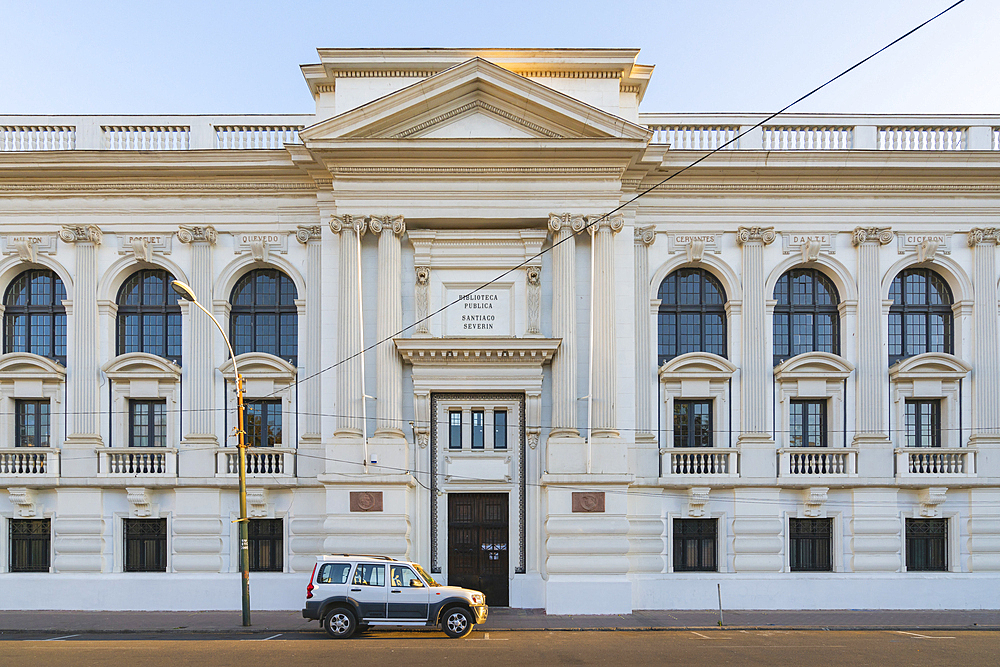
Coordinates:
(604, 392)
(85, 362)
(564, 390)
(312, 237)
(645, 378)
(199, 368)
(350, 372)
(985, 339)
(388, 364)
(872, 370)
(756, 369)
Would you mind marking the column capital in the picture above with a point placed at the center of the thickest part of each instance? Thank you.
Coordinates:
(882, 235)
(571, 220)
(392, 223)
(191, 234)
(614, 223)
(339, 223)
(746, 235)
(81, 234)
(307, 233)
(645, 235)
(984, 235)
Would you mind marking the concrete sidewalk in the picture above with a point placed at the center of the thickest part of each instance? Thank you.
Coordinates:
(503, 619)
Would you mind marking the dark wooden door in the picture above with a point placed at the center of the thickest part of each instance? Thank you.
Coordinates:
(478, 535)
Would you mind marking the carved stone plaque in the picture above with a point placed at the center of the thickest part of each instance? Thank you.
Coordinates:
(366, 501)
(584, 501)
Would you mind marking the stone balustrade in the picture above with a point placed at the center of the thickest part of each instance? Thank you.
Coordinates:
(935, 462)
(155, 462)
(692, 461)
(260, 461)
(29, 462)
(817, 461)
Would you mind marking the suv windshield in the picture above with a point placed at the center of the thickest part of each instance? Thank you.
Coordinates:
(428, 578)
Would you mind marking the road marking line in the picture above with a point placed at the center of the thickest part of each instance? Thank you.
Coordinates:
(275, 636)
(486, 635)
(914, 634)
(55, 639)
(700, 635)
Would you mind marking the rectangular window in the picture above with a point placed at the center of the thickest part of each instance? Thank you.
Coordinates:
(32, 426)
(265, 541)
(695, 545)
(693, 423)
(807, 423)
(499, 429)
(262, 422)
(923, 423)
(369, 575)
(30, 545)
(927, 545)
(147, 423)
(145, 545)
(810, 547)
(478, 432)
(455, 429)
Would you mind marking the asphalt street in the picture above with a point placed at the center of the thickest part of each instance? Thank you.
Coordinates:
(412, 649)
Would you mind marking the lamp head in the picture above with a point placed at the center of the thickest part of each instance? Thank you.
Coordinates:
(183, 290)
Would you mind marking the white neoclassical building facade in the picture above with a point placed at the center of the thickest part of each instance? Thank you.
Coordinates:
(488, 323)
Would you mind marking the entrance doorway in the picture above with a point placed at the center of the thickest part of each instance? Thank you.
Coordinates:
(478, 535)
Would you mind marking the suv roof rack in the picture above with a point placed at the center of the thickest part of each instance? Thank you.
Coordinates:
(372, 556)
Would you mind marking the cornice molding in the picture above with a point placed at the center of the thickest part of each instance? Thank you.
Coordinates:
(155, 187)
(421, 351)
(486, 171)
(824, 187)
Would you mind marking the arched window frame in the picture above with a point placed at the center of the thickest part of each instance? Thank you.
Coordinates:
(703, 309)
(901, 311)
(246, 327)
(786, 308)
(168, 310)
(45, 336)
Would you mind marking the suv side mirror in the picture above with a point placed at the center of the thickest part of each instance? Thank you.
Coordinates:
(415, 583)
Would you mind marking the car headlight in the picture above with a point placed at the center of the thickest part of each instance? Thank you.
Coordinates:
(478, 599)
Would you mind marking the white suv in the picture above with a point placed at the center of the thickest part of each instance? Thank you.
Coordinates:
(350, 592)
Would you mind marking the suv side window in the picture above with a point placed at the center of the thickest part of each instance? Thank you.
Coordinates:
(334, 573)
(369, 575)
(401, 576)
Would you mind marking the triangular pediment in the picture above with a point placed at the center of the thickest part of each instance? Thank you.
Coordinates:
(474, 100)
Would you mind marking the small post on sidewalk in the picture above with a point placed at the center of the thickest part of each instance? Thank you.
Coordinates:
(721, 624)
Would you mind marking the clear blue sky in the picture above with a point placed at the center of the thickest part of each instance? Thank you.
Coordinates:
(75, 57)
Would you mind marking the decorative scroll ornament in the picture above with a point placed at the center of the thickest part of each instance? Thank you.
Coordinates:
(25, 250)
(810, 250)
(696, 250)
(765, 235)
(697, 500)
(138, 498)
(339, 223)
(532, 440)
(423, 439)
(615, 223)
(930, 499)
(882, 235)
(193, 234)
(979, 235)
(81, 234)
(257, 502)
(141, 250)
(559, 220)
(24, 498)
(814, 500)
(307, 233)
(422, 293)
(395, 223)
(927, 249)
(645, 235)
(534, 276)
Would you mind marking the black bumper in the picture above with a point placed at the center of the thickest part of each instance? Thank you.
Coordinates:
(311, 610)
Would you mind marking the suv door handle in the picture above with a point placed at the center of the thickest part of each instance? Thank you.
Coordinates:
(396, 591)
(355, 590)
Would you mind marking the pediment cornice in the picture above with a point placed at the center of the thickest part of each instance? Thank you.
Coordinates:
(438, 351)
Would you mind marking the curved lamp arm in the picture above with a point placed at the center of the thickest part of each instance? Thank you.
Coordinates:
(185, 292)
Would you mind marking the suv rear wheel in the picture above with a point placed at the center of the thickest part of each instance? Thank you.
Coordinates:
(457, 622)
(339, 623)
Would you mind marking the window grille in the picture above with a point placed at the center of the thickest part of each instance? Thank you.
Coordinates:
(810, 547)
(927, 545)
(266, 545)
(695, 545)
(145, 545)
(30, 545)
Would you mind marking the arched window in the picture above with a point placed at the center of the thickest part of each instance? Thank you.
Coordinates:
(34, 316)
(149, 319)
(806, 317)
(920, 318)
(692, 315)
(264, 317)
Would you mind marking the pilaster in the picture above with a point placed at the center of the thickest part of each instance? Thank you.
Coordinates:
(756, 445)
(388, 364)
(311, 236)
(84, 363)
(350, 378)
(645, 367)
(875, 448)
(986, 351)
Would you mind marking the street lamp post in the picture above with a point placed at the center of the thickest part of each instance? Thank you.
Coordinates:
(186, 293)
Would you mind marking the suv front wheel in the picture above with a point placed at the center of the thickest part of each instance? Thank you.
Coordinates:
(457, 622)
(339, 623)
